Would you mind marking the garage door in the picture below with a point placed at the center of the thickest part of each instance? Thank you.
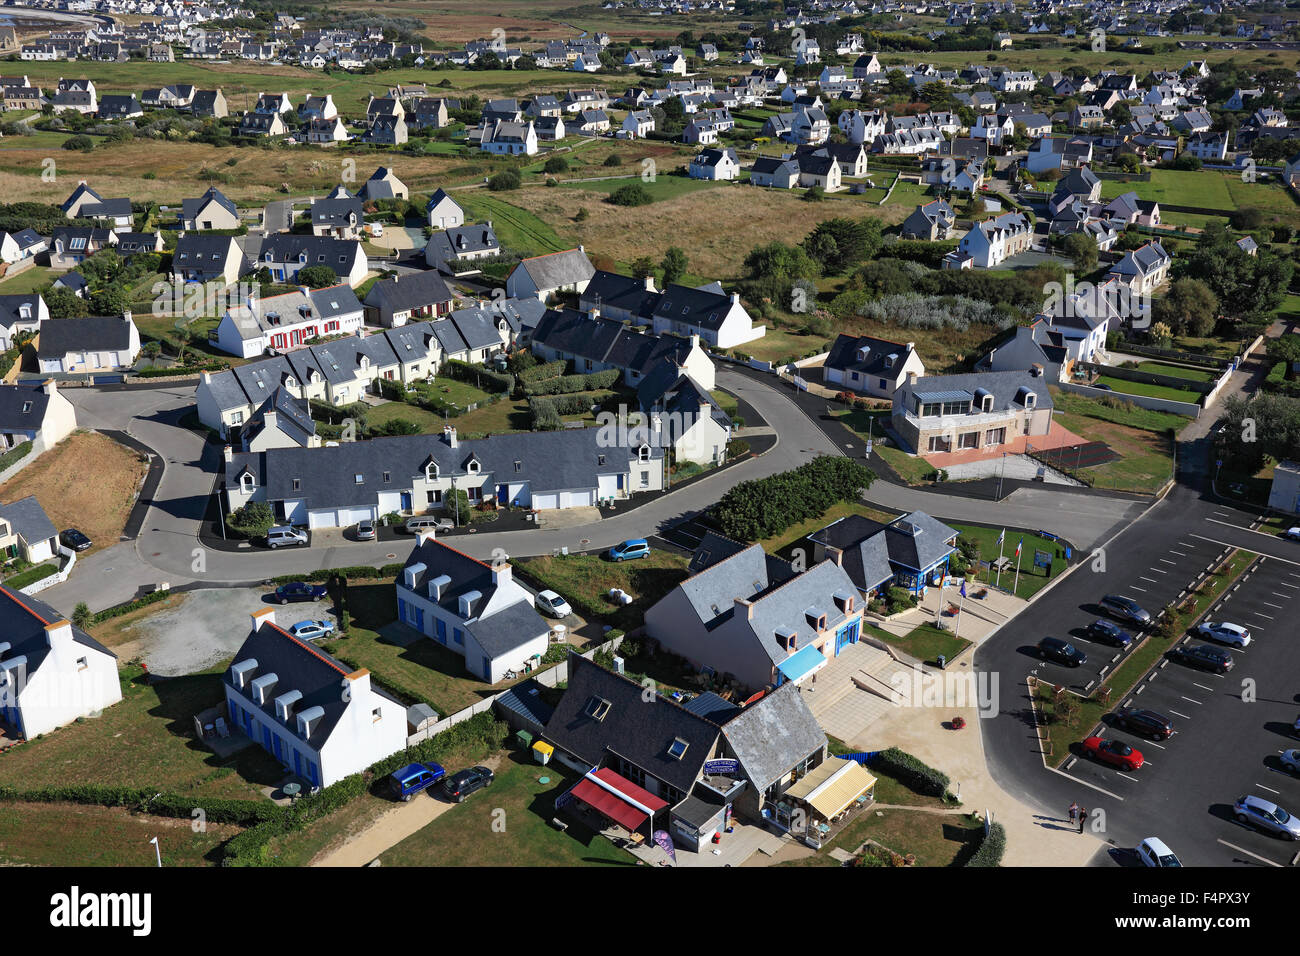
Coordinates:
(322, 519)
(544, 501)
(575, 499)
(350, 516)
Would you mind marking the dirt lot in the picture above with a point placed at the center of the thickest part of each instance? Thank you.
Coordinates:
(88, 482)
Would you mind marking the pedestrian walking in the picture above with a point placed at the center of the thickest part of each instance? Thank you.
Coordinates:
(1083, 816)
(1074, 813)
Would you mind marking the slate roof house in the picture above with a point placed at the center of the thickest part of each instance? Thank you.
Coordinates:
(85, 203)
(51, 672)
(542, 276)
(284, 255)
(454, 249)
(407, 298)
(26, 532)
(976, 411)
(337, 486)
(206, 258)
(37, 413)
(444, 212)
(910, 552)
(285, 322)
(212, 210)
(471, 608)
(320, 718)
(20, 313)
(88, 345)
(656, 764)
(869, 365)
(931, 221)
(752, 616)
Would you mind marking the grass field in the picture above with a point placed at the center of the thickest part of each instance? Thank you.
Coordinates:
(58, 479)
(934, 839)
(911, 468)
(1177, 371)
(585, 579)
(1032, 579)
(782, 345)
(29, 280)
(509, 825)
(66, 834)
(1207, 191)
(1153, 391)
(1146, 461)
(144, 740)
(924, 642)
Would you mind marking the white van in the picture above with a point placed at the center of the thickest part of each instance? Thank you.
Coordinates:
(285, 536)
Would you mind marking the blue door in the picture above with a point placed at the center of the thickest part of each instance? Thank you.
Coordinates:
(620, 482)
(406, 500)
(503, 494)
(266, 737)
(487, 670)
(297, 763)
(278, 748)
(847, 635)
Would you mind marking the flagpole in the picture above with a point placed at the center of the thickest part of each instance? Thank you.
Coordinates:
(956, 628)
(1002, 543)
(1019, 548)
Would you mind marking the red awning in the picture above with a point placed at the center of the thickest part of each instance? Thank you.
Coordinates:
(617, 806)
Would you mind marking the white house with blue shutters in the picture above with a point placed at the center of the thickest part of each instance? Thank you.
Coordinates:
(320, 718)
(476, 610)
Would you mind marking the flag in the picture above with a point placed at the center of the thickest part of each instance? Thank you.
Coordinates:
(1002, 537)
(1018, 546)
(963, 588)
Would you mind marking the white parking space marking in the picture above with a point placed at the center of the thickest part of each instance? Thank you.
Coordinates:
(1279, 593)
(1280, 607)
(1073, 778)
(1262, 859)
(1143, 577)
(1263, 615)
(1167, 561)
(1126, 776)
(1190, 700)
(1136, 588)
(1157, 571)
(1203, 687)
(1181, 554)
(1177, 714)
(1269, 789)
(1152, 743)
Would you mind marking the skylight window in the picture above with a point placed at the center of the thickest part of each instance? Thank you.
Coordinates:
(677, 749)
(597, 708)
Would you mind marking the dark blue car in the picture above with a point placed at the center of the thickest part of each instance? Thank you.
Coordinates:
(1109, 633)
(413, 778)
(300, 591)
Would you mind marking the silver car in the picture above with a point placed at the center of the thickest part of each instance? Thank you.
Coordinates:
(1266, 816)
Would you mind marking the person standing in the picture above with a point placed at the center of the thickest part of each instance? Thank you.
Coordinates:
(1074, 814)
(1083, 817)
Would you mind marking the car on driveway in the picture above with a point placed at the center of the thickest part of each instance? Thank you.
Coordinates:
(461, 784)
(74, 539)
(550, 603)
(1291, 760)
(300, 591)
(366, 530)
(1269, 817)
(1146, 723)
(1108, 632)
(1061, 652)
(634, 548)
(1125, 609)
(1224, 633)
(1204, 656)
(1153, 852)
(413, 778)
(1113, 752)
(312, 630)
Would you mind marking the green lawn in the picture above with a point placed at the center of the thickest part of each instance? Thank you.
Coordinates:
(1178, 371)
(780, 346)
(726, 401)
(662, 187)
(429, 422)
(585, 580)
(520, 231)
(509, 825)
(144, 740)
(924, 642)
(1208, 191)
(1146, 461)
(1117, 410)
(1032, 580)
(1152, 391)
(911, 468)
(29, 280)
(934, 839)
(513, 415)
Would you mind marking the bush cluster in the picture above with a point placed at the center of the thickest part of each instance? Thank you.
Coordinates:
(761, 508)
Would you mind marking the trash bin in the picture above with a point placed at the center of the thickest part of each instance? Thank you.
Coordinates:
(943, 662)
(542, 752)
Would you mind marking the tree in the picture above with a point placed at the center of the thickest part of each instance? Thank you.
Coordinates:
(1248, 288)
(674, 264)
(253, 520)
(65, 305)
(1189, 308)
(556, 164)
(81, 615)
(79, 142)
(1285, 348)
(111, 301)
(771, 269)
(633, 194)
(318, 277)
(505, 180)
(1161, 334)
(837, 244)
(642, 267)
(1082, 248)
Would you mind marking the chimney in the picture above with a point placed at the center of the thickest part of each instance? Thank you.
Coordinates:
(206, 376)
(582, 249)
(270, 419)
(263, 615)
(744, 609)
(911, 346)
(449, 436)
(911, 378)
(649, 283)
(359, 684)
(228, 454)
(836, 555)
(695, 340)
(735, 298)
(58, 634)
(49, 386)
(503, 574)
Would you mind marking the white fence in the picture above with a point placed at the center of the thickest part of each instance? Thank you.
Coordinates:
(1189, 409)
(36, 587)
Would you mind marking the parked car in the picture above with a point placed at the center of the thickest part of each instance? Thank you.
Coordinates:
(377, 229)
(414, 777)
(300, 591)
(1267, 816)
(1224, 633)
(1291, 760)
(1292, 533)
(1113, 752)
(1146, 723)
(1126, 609)
(74, 539)
(1062, 652)
(460, 785)
(312, 630)
(285, 536)
(548, 602)
(1107, 632)
(428, 523)
(1204, 656)
(1153, 852)
(634, 548)
(1102, 387)
(366, 530)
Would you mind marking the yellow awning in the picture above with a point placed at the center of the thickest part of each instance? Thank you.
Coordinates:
(832, 786)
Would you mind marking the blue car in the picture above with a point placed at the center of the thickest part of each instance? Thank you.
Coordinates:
(300, 591)
(413, 778)
(635, 548)
(1109, 633)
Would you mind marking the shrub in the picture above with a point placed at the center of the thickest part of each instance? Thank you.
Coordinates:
(505, 180)
(910, 772)
(153, 597)
(253, 520)
(991, 847)
(318, 277)
(479, 375)
(767, 506)
(537, 373)
(612, 160)
(565, 384)
(556, 164)
(633, 194)
(80, 142)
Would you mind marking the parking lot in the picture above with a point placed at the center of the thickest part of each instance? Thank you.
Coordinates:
(1153, 576)
(1229, 730)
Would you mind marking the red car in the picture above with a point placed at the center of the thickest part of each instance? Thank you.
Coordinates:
(1114, 752)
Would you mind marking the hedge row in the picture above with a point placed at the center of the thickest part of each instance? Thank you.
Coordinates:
(539, 372)
(565, 384)
(148, 799)
(910, 772)
(15, 454)
(361, 572)
(478, 374)
(991, 847)
(118, 610)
